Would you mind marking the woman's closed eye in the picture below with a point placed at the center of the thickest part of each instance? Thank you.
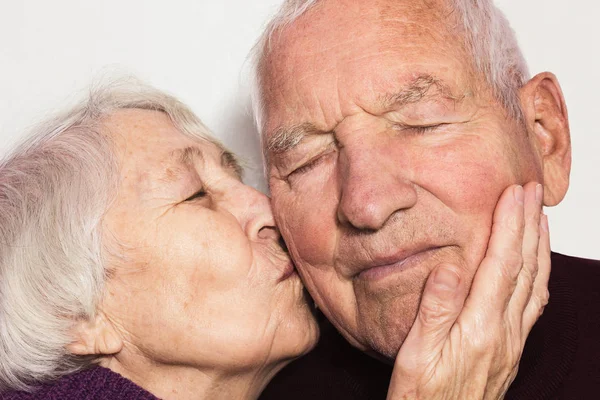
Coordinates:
(198, 195)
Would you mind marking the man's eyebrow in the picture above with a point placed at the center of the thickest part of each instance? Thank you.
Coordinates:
(417, 90)
(286, 138)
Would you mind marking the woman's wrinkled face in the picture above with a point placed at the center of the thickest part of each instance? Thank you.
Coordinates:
(199, 277)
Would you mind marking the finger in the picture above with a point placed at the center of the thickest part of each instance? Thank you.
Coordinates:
(496, 278)
(534, 193)
(540, 296)
(442, 301)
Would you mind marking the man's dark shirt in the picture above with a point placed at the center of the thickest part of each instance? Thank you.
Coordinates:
(561, 358)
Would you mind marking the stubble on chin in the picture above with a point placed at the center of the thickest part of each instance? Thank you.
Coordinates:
(385, 317)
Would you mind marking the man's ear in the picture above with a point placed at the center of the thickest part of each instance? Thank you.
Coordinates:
(547, 122)
(95, 337)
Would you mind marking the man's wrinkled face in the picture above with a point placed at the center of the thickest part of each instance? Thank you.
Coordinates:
(387, 156)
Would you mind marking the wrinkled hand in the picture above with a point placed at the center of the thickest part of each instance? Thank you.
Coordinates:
(467, 344)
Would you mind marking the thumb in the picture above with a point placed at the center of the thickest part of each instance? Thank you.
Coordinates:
(442, 302)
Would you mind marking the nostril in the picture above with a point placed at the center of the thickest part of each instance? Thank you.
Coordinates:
(268, 233)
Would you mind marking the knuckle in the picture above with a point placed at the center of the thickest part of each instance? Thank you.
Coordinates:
(433, 312)
(480, 345)
(509, 362)
(533, 220)
(530, 262)
(543, 298)
(510, 264)
(539, 301)
(479, 341)
(527, 280)
(511, 223)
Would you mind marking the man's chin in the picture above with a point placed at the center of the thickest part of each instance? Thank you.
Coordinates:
(384, 327)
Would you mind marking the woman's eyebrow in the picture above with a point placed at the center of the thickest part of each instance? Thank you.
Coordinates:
(182, 162)
(230, 161)
(188, 155)
(191, 155)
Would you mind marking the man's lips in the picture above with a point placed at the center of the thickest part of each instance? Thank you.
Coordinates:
(401, 261)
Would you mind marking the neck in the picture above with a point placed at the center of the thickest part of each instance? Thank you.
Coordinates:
(183, 382)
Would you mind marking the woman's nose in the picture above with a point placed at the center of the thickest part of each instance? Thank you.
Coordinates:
(255, 215)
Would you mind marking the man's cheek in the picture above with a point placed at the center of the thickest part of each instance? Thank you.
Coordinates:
(474, 188)
(307, 220)
(311, 239)
(470, 185)
(468, 176)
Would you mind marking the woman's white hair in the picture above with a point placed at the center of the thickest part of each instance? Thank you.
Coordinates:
(487, 35)
(54, 191)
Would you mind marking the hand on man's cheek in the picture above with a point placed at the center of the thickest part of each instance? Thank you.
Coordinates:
(482, 328)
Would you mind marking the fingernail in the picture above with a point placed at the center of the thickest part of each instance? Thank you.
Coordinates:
(539, 193)
(446, 278)
(544, 223)
(518, 193)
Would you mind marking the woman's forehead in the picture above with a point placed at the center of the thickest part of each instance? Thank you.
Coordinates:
(149, 139)
(138, 132)
(155, 154)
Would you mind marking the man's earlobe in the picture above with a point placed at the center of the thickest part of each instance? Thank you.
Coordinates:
(95, 337)
(547, 122)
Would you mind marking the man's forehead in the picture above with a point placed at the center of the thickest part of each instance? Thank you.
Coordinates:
(326, 18)
(319, 47)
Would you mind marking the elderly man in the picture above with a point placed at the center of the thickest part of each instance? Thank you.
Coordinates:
(390, 130)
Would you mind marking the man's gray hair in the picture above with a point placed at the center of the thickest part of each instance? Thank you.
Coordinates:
(54, 190)
(487, 35)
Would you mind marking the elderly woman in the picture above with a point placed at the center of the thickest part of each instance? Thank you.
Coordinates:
(135, 264)
(132, 256)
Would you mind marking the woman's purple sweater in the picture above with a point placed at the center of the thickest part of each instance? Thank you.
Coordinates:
(96, 383)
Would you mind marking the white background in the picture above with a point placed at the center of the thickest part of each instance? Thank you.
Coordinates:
(197, 50)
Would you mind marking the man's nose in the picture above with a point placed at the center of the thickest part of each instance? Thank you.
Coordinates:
(373, 188)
